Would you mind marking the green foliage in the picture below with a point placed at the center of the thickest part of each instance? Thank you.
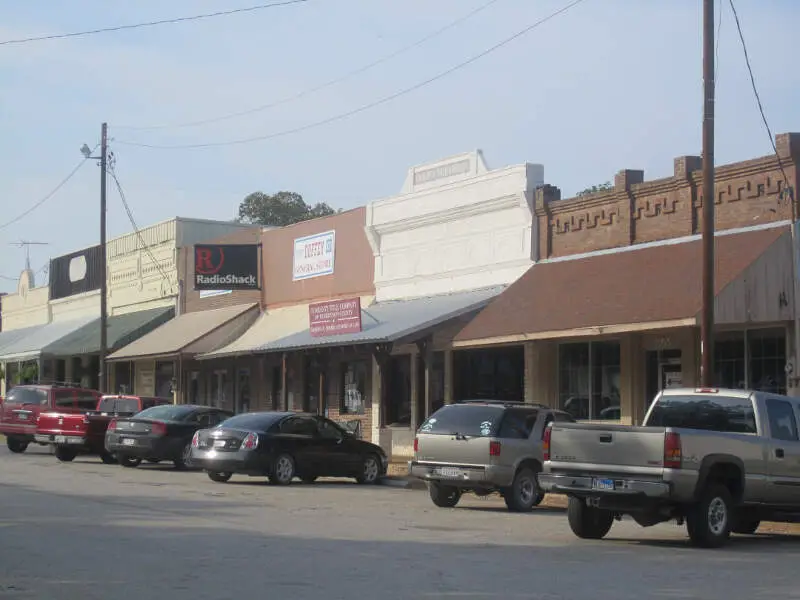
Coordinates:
(283, 208)
(603, 187)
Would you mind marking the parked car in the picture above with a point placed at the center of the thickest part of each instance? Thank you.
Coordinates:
(23, 405)
(160, 433)
(484, 447)
(285, 445)
(719, 460)
(84, 432)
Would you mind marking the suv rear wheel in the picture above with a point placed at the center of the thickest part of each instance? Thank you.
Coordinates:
(16, 446)
(524, 492)
(65, 454)
(588, 522)
(444, 496)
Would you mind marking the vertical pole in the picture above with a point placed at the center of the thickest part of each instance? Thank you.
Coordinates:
(103, 266)
(707, 324)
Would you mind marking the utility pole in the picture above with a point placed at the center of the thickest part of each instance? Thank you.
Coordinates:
(707, 323)
(104, 267)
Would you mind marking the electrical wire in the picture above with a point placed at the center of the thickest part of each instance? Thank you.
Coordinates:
(758, 98)
(365, 107)
(221, 13)
(320, 87)
(110, 170)
(48, 196)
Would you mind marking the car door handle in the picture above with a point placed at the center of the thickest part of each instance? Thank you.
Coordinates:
(605, 438)
(779, 452)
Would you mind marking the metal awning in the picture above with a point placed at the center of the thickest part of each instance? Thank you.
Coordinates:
(29, 345)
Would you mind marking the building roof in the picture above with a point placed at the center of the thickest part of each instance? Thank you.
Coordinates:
(122, 330)
(392, 320)
(177, 335)
(29, 343)
(660, 283)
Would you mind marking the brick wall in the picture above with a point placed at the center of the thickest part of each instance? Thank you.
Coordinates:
(635, 211)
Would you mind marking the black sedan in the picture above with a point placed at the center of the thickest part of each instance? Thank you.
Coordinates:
(160, 433)
(285, 445)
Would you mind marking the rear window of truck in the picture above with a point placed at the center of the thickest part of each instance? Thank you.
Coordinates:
(704, 411)
(119, 405)
(464, 419)
(23, 395)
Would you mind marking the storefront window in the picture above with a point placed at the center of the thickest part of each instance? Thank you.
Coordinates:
(754, 359)
(243, 391)
(490, 374)
(729, 362)
(165, 371)
(354, 388)
(589, 376)
(399, 392)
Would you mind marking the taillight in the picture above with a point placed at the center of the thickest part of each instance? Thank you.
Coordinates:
(250, 442)
(672, 451)
(416, 444)
(548, 431)
(158, 428)
(196, 439)
(85, 419)
(494, 448)
(112, 425)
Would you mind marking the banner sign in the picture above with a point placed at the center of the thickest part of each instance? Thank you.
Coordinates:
(313, 255)
(76, 273)
(335, 317)
(226, 267)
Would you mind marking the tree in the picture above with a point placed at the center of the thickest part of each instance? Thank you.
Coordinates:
(282, 208)
(603, 187)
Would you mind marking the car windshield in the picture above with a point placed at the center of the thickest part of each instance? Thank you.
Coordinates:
(480, 420)
(167, 412)
(252, 421)
(704, 411)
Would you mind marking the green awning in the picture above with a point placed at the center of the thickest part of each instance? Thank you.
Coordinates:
(122, 330)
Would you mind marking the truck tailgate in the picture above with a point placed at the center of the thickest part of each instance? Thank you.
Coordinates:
(607, 448)
(62, 422)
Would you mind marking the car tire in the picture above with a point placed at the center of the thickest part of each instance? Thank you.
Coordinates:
(588, 522)
(15, 445)
(524, 492)
(444, 496)
(108, 458)
(65, 454)
(709, 521)
(283, 470)
(370, 471)
(219, 477)
(185, 461)
(129, 462)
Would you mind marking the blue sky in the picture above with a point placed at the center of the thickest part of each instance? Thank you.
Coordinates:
(610, 84)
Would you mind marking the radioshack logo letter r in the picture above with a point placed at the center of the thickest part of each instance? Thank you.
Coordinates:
(204, 263)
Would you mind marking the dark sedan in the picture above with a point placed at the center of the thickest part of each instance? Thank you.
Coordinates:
(160, 433)
(285, 445)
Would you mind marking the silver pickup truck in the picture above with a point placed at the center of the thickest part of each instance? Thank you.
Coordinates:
(719, 460)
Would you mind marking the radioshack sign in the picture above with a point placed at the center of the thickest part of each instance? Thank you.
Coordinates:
(226, 267)
(335, 317)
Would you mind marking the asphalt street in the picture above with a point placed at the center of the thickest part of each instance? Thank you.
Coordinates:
(89, 531)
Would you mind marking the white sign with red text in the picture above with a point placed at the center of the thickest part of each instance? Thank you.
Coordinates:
(314, 255)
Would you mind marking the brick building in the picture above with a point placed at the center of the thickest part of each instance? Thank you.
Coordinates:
(610, 312)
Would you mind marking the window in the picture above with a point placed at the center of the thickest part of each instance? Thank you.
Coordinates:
(299, 426)
(782, 423)
(729, 363)
(752, 359)
(489, 374)
(64, 398)
(168, 412)
(464, 419)
(25, 395)
(398, 411)
(329, 430)
(250, 421)
(710, 412)
(354, 388)
(589, 377)
(518, 424)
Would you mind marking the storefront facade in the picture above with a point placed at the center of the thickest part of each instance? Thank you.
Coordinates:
(620, 321)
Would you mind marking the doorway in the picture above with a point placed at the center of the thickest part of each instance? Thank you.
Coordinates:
(664, 372)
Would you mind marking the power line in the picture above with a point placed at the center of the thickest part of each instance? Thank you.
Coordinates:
(365, 107)
(320, 87)
(48, 196)
(145, 247)
(221, 13)
(758, 96)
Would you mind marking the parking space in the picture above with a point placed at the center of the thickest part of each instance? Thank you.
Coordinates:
(87, 530)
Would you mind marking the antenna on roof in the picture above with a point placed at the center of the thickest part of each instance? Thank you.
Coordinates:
(27, 245)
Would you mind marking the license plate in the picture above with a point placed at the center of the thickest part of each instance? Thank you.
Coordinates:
(219, 443)
(22, 416)
(60, 439)
(128, 442)
(449, 472)
(603, 484)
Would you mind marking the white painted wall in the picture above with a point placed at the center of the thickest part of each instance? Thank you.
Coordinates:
(28, 307)
(456, 226)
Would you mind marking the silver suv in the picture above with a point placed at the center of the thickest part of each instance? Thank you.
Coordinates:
(484, 447)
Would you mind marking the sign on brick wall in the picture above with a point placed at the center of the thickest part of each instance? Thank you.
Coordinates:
(226, 267)
(314, 255)
(335, 317)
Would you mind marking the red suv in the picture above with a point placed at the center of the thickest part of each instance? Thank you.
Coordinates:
(20, 410)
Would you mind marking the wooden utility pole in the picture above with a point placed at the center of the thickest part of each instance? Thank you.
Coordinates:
(707, 324)
(103, 266)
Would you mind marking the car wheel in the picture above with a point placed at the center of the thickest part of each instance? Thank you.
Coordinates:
(370, 471)
(588, 522)
(710, 520)
(108, 458)
(65, 454)
(283, 470)
(185, 461)
(444, 496)
(16, 446)
(129, 461)
(219, 477)
(524, 492)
